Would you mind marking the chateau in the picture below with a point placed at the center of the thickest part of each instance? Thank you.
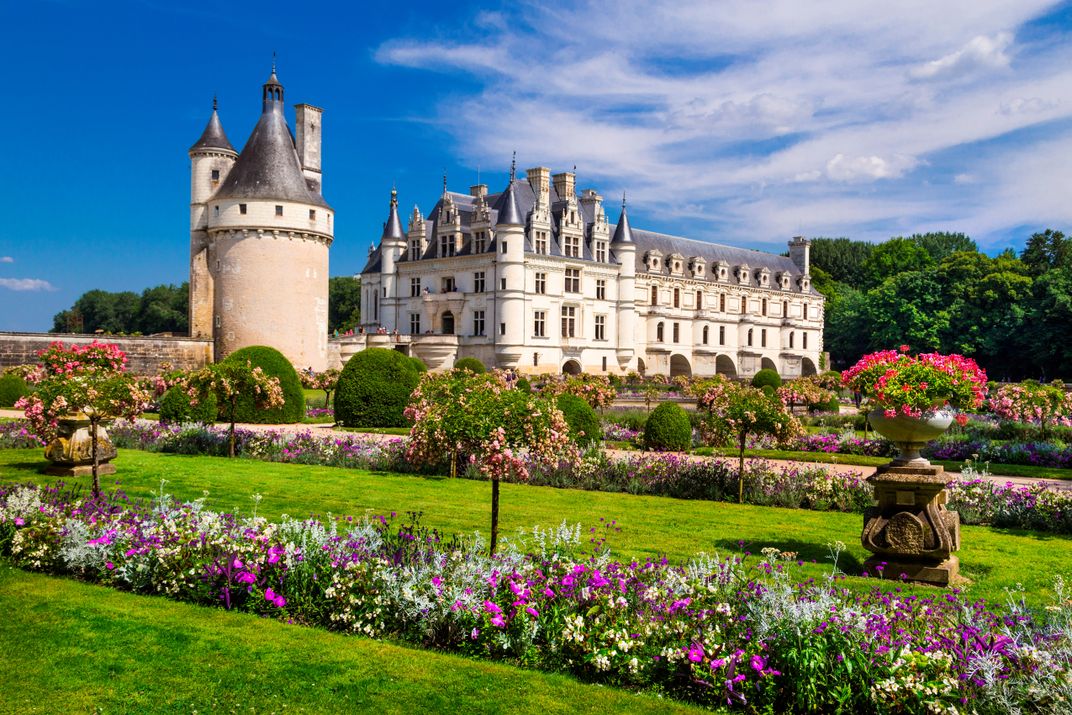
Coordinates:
(537, 279)
(260, 231)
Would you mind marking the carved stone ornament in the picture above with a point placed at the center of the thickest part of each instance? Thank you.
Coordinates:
(71, 452)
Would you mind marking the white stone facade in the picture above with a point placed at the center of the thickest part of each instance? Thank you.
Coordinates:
(562, 290)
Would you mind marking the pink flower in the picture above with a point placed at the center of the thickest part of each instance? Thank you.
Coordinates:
(19, 521)
(696, 653)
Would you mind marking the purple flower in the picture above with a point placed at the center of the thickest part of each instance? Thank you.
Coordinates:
(696, 653)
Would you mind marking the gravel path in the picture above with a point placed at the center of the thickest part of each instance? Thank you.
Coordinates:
(326, 429)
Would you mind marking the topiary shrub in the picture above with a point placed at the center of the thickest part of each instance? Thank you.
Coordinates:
(668, 428)
(12, 387)
(583, 422)
(766, 376)
(175, 407)
(470, 364)
(418, 364)
(274, 364)
(831, 405)
(374, 388)
(523, 384)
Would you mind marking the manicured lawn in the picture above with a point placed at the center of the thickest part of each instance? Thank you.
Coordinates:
(650, 526)
(315, 398)
(84, 648)
(401, 431)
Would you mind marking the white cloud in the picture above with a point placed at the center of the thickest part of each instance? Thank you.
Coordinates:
(762, 122)
(981, 53)
(25, 284)
(6, 259)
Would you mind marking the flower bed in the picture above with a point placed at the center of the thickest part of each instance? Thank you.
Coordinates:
(717, 631)
(1042, 454)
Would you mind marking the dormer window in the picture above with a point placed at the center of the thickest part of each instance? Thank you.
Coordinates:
(742, 274)
(764, 278)
(805, 282)
(601, 251)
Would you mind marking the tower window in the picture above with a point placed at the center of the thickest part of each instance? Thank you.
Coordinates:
(242, 209)
(215, 175)
(278, 210)
(217, 210)
(502, 328)
(312, 214)
(502, 284)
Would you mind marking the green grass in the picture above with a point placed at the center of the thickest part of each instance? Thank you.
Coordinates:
(376, 430)
(88, 648)
(315, 398)
(650, 526)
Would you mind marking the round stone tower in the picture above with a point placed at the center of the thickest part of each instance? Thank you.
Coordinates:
(264, 239)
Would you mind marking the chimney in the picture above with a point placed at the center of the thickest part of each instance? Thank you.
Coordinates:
(540, 181)
(478, 190)
(307, 142)
(565, 185)
(800, 253)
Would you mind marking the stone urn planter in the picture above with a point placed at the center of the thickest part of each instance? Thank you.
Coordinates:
(71, 452)
(909, 530)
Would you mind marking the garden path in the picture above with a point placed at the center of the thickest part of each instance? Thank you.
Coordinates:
(327, 429)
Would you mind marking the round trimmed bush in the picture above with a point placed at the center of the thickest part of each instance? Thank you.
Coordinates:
(470, 364)
(766, 376)
(274, 364)
(175, 408)
(12, 387)
(583, 422)
(418, 364)
(831, 405)
(523, 384)
(668, 428)
(374, 389)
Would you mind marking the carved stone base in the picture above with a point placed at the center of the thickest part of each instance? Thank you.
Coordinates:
(942, 573)
(909, 529)
(71, 452)
(81, 470)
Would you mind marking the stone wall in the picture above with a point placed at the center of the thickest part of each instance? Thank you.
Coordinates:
(145, 355)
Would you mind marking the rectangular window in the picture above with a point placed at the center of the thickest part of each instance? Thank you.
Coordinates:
(449, 286)
(601, 289)
(478, 281)
(601, 327)
(502, 328)
(479, 242)
(478, 322)
(414, 287)
(215, 174)
(604, 363)
(504, 246)
(502, 284)
(804, 340)
(217, 210)
(242, 209)
(569, 321)
(414, 323)
(312, 214)
(541, 242)
(415, 249)
(539, 324)
(278, 210)
(763, 338)
(541, 283)
(601, 252)
(677, 332)
(219, 322)
(446, 246)
(722, 335)
(572, 246)
(573, 280)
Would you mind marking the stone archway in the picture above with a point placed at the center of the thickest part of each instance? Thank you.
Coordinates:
(807, 367)
(768, 364)
(447, 323)
(724, 366)
(640, 366)
(679, 365)
(571, 367)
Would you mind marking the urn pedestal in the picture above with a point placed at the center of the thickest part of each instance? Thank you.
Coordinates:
(910, 532)
(71, 452)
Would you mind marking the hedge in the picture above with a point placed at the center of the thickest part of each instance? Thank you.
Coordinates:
(175, 408)
(668, 428)
(374, 388)
(275, 364)
(584, 425)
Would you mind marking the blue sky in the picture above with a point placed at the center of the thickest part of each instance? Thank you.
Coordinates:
(742, 122)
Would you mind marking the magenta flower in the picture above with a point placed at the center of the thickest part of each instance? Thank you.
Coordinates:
(696, 653)
(19, 521)
(498, 621)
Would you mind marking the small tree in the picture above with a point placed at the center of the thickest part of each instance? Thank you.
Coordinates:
(804, 391)
(82, 379)
(326, 381)
(481, 420)
(228, 382)
(737, 411)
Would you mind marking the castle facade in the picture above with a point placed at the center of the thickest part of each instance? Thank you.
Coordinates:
(260, 231)
(536, 278)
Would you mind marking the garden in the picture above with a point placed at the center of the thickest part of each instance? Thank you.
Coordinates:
(720, 583)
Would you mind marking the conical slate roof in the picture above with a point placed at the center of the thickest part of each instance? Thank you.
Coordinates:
(213, 137)
(393, 228)
(622, 232)
(268, 167)
(507, 208)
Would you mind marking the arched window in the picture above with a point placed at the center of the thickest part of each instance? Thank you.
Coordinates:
(659, 332)
(699, 300)
(677, 297)
(790, 339)
(655, 295)
(705, 333)
(750, 337)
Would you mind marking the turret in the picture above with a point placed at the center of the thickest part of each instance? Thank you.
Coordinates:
(510, 300)
(392, 244)
(624, 248)
(211, 159)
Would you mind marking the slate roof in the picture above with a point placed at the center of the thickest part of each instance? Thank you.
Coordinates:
(213, 137)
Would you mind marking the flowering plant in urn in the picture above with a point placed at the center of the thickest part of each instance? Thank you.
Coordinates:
(902, 384)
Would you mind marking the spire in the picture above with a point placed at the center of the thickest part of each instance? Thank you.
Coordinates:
(213, 137)
(273, 92)
(509, 212)
(392, 230)
(622, 233)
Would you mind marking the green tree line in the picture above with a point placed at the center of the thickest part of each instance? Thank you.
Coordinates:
(937, 291)
(164, 309)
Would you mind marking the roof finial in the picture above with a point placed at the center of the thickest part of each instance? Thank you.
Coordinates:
(513, 168)
(444, 181)
(623, 199)
(273, 61)
(215, 104)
